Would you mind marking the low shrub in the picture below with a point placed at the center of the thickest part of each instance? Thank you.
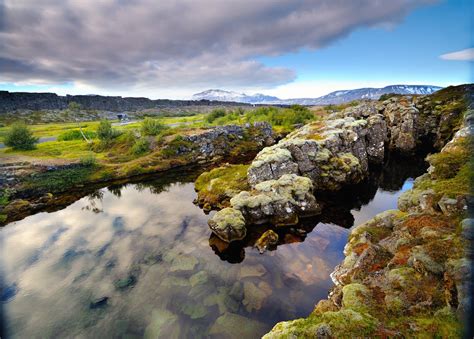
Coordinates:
(152, 127)
(215, 114)
(19, 137)
(105, 132)
(88, 160)
(141, 146)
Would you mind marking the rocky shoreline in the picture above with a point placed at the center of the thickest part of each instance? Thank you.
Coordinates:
(36, 186)
(331, 154)
(405, 272)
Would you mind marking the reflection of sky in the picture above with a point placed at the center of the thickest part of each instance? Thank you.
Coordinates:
(382, 201)
(58, 262)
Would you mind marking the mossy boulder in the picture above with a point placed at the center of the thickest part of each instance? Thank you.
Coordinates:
(280, 202)
(228, 224)
(267, 240)
(217, 186)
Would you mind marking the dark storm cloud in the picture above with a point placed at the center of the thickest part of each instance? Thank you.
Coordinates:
(173, 43)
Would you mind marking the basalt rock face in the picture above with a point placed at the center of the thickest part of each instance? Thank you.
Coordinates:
(279, 202)
(50, 101)
(407, 272)
(222, 141)
(414, 120)
(339, 150)
(217, 141)
(331, 154)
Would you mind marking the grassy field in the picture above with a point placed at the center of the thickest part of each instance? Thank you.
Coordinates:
(131, 145)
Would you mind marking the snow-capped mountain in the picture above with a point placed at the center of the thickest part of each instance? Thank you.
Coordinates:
(337, 97)
(221, 95)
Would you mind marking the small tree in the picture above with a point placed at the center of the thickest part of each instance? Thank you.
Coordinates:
(152, 126)
(19, 137)
(105, 132)
(215, 114)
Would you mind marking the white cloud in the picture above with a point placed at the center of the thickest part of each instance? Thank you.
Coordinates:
(463, 55)
(152, 46)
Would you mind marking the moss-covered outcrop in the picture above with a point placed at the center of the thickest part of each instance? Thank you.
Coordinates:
(278, 202)
(216, 187)
(407, 273)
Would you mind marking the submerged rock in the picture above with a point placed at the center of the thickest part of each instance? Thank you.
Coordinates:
(266, 240)
(194, 310)
(230, 325)
(125, 283)
(252, 271)
(99, 302)
(255, 296)
(163, 324)
(183, 263)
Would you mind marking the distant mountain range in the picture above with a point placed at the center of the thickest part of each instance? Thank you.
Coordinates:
(337, 97)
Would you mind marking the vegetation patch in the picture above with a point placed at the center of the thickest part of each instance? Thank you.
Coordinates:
(20, 137)
(217, 186)
(76, 134)
(60, 180)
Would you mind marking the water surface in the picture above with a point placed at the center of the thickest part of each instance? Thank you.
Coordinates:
(138, 259)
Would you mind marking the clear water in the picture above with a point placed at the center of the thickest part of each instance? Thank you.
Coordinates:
(146, 250)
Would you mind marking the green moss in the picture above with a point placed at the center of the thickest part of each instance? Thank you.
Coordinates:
(60, 180)
(175, 146)
(442, 324)
(356, 297)
(220, 184)
(4, 197)
(453, 170)
(446, 164)
(460, 184)
(341, 324)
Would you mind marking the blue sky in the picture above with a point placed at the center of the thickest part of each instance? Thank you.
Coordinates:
(403, 49)
(407, 53)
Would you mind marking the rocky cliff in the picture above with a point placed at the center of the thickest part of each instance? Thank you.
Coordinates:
(407, 272)
(49, 101)
(338, 151)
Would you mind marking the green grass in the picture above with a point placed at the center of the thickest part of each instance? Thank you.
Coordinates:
(70, 150)
(54, 129)
(60, 180)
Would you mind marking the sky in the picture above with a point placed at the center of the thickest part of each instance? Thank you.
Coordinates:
(286, 48)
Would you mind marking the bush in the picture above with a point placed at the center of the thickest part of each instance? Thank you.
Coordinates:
(19, 137)
(215, 114)
(76, 134)
(105, 132)
(88, 160)
(141, 146)
(152, 127)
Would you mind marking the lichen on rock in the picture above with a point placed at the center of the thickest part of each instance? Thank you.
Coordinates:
(406, 272)
(228, 224)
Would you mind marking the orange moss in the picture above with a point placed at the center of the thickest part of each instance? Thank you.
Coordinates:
(416, 223)
(401, 257)
(359, 248)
